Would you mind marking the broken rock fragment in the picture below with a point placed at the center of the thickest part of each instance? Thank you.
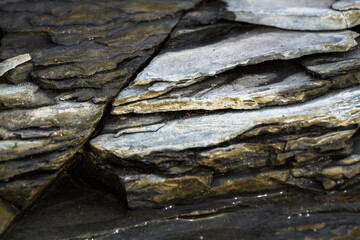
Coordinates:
(295, 14)
(183, 67)
(11, 63)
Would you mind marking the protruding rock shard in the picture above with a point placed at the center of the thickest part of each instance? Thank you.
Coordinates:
(13, 62)
(183, 146)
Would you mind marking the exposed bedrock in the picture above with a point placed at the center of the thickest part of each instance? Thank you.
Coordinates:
(189, 158)
(63, 63)
(295, 14)
(180, 79)
(176, 103)
(198, 124)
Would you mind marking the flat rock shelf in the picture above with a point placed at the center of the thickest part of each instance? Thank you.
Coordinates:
(181, 119)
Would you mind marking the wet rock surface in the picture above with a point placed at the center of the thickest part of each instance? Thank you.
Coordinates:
(74, 210)
(179, 119)
(184, 153)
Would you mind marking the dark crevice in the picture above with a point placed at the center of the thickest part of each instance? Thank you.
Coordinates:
(2, 34)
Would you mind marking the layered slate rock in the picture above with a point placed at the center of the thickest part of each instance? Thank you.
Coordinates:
(82, 53)
(155, 88)
(179, 133)
(295, 14)
(346, 5)
(234, 122)
(13, 62)
(200, 157)
(185, 67)
(267, 84)
(333, 65)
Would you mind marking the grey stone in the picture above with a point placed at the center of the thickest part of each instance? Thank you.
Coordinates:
(228, 143)
(275, 83)
(11, 63)
(345, 5)
(186, 66)
(292, 14)
(82, 54)
(25, 95)
(196, 128)
(85, 212)
(331, 65)
(185, 133)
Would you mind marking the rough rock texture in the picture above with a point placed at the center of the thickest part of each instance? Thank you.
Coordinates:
(346, 5)
(295, 14)
(73, 210)
(82, 53)
(333, 65)
(13, 62)
(274, 83)
(180, 157)
(184, 66)
(219, 154)
(217, 128)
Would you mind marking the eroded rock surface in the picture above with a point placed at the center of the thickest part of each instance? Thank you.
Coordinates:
(346, 5)
(181, 67)
(168, 146)
(295, 14)
(82, 53)
(214, 123)
(218, 154)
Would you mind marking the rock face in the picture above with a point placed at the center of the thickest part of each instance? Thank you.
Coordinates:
(75, 57)
(13, 62)
(182, 108)
(218, 154)
(295, 14)
(333, 65)
(88, 213)
(179, 154)
(183, 67)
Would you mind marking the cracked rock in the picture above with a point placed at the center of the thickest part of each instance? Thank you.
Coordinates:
(295, 14)
(64, 62)
(184, 146)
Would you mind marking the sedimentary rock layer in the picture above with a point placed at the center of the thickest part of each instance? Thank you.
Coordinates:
(166, 146)
(182, 67)
(295, 14)
(199, 157)
(332, 65)
(87, 213)
(82, 54)
(13, 62)
(211, 122)
(346, 5)
(268, 84)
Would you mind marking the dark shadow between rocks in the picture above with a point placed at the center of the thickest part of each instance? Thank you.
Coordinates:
(72, 209)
